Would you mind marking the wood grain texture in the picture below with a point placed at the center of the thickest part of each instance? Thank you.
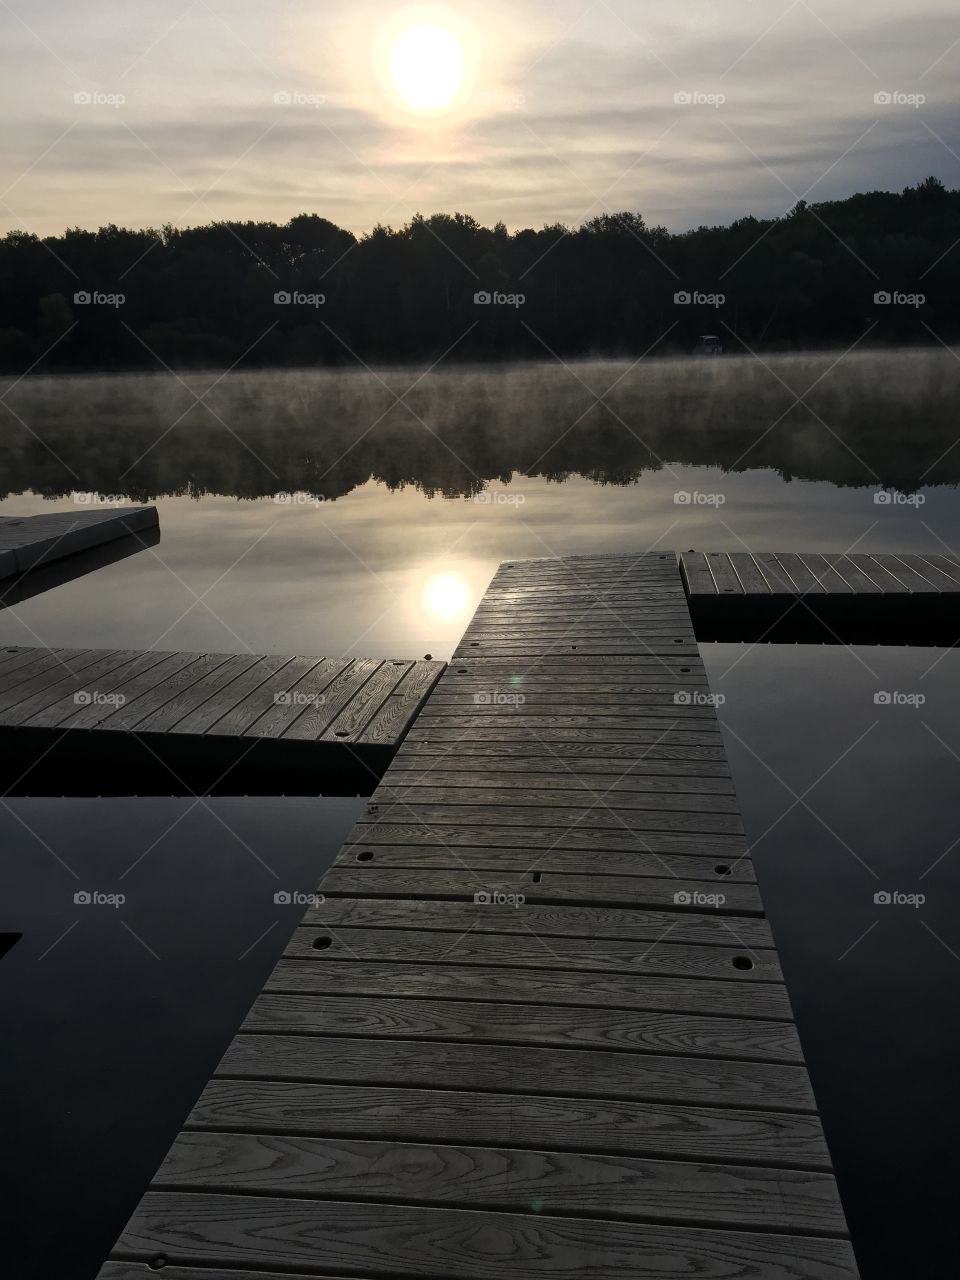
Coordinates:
(615, 1187)
(703, 1133)
(476, 1245)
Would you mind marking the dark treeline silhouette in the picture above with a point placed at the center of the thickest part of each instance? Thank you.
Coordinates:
(207, 296)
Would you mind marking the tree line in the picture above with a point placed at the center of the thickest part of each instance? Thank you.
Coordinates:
(879, 267)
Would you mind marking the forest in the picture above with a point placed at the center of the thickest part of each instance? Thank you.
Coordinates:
(877, 268)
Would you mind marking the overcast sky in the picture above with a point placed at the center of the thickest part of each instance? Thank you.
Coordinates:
(568, 108)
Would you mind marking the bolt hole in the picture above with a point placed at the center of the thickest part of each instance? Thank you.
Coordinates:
(341, 733)
(537, 877)
(474, 644)
(158, 1262)
(461, 671)
(742, 962)
(677, 640)
(722, 869)
(365, 856)
(684, 669)
(323, 940)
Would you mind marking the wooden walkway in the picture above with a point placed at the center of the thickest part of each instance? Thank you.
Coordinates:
(27, 542)
(848, 599)
(537, 1026)
(127, 718)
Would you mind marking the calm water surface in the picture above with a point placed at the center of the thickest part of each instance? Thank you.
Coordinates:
(391, 518)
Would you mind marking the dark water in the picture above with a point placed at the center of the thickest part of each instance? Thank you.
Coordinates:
(116, 1015)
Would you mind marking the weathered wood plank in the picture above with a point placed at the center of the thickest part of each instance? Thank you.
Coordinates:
(786, 1139)
(405, 1240)
(478, 1022)
(737, 962)
(502, 1178)
(517, 1069)
(759, 1000)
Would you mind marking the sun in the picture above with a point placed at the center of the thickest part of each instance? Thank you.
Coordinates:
(427, 66)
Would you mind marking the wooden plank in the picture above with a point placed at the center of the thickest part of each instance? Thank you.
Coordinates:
(582, 797)
(902, 573)
(826, 575)
(303, 693)
(784, 1139)
(135, 684)
(629, 1031)
(517, 1069)
(734, 963)
(389, 723)
(132, 713)
(193, 698)
(29, 541)
(749, 574)
(498, 858)
(341, 690)
(79, 684)
(547, 816)
(404, 1240)
(697, 923)
(232, 695)
(363, 706)
(262, 698)
(49, 671)
(804, 580)
(373, 880)
(777, 578)
(367, 835)
(724, 573)
(66, 706)
(757, 1000)
(503, 1178)
(936, 578)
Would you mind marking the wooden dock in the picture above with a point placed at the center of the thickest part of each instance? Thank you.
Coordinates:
(122, 721)
(536, 1027)
(829, 599)
(27, 542)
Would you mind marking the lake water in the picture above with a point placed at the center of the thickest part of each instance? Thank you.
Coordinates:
(338, 512)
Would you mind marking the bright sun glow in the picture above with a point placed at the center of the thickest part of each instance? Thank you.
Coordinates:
(446, 596)
(427, 66)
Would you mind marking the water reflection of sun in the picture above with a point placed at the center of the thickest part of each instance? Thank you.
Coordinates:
(446, 597)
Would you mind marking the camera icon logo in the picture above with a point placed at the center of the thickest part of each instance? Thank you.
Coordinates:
(681, 498)
(482, 298)
(481, 699)
(681, 898)
(882, 699)
(82, 698)
(683, 98)
(282, 898)
(882, 98)
(281, 298)
(82, 898)
(81, 298)
(682, 298)
(83, 98)
(482, 897)
(682, 698)
(881, 298)
(283, 98)
(882, 898)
